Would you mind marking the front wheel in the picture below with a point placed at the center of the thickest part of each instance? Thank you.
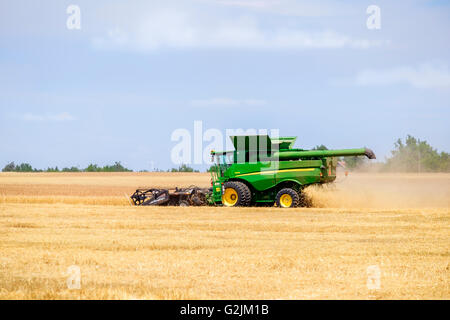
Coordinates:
(287, 198)
(236, 194)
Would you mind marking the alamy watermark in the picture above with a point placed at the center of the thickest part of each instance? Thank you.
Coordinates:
(195, 146)
(373, 277)
(73, 21)
(73, 277)
(374, 20)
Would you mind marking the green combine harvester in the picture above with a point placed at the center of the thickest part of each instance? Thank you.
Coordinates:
(260, 171)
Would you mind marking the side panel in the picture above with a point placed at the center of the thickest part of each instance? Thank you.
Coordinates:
(304, 172)
(260, 174)
(265, 175)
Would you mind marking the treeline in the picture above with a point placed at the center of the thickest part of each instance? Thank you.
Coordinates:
(116, 167)
(26, 167)
(183, 168)
(415, 155)
(411, 155)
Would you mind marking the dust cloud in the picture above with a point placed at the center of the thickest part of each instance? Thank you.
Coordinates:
(378, 190)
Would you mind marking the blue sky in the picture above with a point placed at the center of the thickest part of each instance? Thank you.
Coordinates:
(136, 71)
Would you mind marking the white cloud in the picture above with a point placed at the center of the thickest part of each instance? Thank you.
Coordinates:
(65, 116)
(227, 102)
(422, 76)
(190, 28)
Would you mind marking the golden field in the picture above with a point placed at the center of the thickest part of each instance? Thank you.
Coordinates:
(51, 221)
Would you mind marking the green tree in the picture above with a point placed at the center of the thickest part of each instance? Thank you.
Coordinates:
(320, 147)
(415, 155)
(71, 169)
(24, 167)
(92, 168)
(183, 168)
(10, 167)
(116, 167)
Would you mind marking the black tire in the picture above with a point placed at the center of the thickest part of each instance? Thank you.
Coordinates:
(244, 196)
(294, 198)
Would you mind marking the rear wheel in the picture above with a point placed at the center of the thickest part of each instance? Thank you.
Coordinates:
(287, 198)
(236, 194)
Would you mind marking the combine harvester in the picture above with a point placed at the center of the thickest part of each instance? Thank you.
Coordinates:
(260, 171)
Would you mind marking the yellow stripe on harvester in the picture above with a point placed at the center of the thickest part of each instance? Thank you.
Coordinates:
(274, 171)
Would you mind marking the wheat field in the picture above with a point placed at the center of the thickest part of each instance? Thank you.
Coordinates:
(50, 222)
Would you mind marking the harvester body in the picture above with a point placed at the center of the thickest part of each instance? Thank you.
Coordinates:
(264, 167)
